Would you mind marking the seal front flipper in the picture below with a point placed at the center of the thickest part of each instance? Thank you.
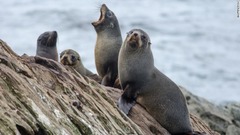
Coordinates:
(128, 99)
(124, 105)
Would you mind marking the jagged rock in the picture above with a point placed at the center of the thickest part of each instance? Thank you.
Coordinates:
(40, 96)
(234, 109)
(221, 118)
(233, 130)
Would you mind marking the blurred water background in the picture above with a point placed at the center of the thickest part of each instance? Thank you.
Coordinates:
(195, 43)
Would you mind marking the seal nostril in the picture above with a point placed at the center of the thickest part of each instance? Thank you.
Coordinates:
(65, 58)
(135, 34)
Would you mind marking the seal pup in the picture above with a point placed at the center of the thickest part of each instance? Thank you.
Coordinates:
(72, 58)
(108, 44)
(143, 83)
(47, 45)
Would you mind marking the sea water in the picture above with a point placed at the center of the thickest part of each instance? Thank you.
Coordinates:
(195, 43)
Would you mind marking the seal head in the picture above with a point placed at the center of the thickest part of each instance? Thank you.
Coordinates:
(47, 45)
(72, 58)
(106, 21)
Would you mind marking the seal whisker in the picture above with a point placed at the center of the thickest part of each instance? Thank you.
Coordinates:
(98, 7)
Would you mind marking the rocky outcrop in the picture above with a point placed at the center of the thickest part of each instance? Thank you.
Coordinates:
(225, 119)
(39, 96)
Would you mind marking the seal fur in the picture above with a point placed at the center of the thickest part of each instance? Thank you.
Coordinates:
(47, 45)
(108, 44)
(72, 58)
(143, 83)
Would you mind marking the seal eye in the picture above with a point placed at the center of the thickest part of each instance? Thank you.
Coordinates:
(143, 37)
(73, 58)
(109, 14)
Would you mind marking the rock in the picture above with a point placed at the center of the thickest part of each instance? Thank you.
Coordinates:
(233, 130)
(234, 108)
(218, 118)
(39, 96)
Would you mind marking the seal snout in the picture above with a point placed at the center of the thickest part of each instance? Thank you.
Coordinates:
(104, 6)
(54, 34)
(52, 39)
(134, 40)
(64, 60)
(103, 11)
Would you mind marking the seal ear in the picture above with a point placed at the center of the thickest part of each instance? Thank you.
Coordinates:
(149, 44)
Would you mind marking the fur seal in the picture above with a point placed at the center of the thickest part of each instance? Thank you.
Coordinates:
(72, 58)
(108, 44)
(143, 83)
(47, 45)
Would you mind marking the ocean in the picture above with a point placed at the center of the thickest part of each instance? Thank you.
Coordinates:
(195, 43)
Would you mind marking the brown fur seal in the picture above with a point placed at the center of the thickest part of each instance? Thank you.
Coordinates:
(144, 83)
(46, 45)
(72, 58)
(108, 44)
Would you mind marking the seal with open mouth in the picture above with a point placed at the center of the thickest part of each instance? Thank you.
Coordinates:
(108, 44)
